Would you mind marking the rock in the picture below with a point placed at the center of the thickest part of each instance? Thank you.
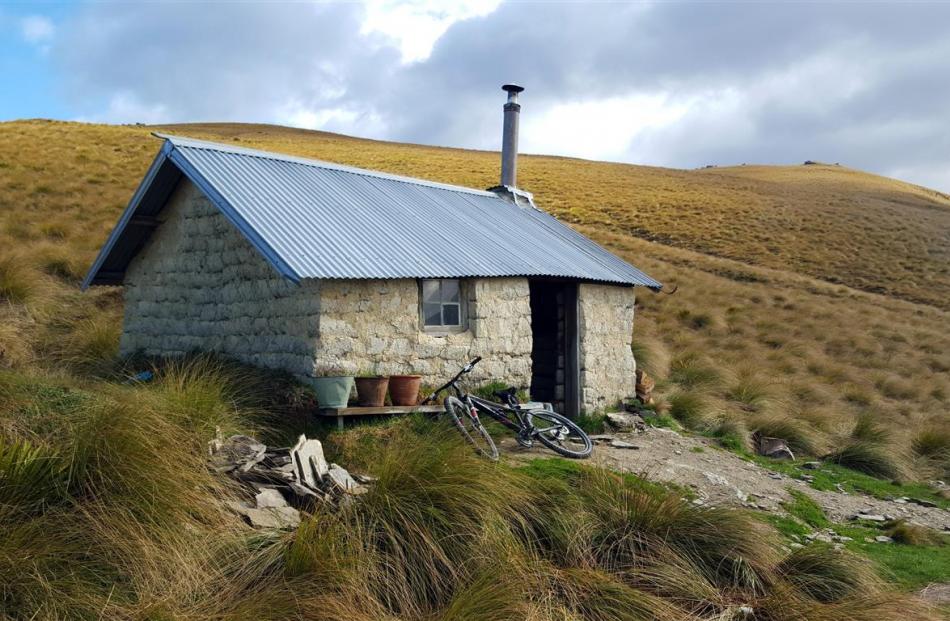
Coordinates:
(364, 478)
(870, 517)
(936, 593)
(745, 611)
(309, 463)
(807, 478)
(716, 479)
(883, 539)
(776, 448)
(795, 546)
(237, 452)
(601, 438)
(624, 421)
(622, 445)
(269, 498)
(775, 475)
(811, 465)
(922, 502)
(644, 386)
(341, 480)
(273, 517)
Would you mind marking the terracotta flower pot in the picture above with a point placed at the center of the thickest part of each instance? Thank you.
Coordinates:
(371, 391)
(332, 392)
(404, 389)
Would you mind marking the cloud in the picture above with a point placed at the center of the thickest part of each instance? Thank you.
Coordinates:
(676, 84)
(37, 29)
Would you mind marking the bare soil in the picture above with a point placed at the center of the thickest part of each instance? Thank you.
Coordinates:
(719, 477)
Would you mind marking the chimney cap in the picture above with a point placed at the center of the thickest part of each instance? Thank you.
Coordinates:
(512, 88)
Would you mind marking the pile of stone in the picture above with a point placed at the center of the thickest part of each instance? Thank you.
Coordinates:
(280, 482)
(626, 422)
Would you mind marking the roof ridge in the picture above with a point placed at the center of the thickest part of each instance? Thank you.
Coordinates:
(195, 143)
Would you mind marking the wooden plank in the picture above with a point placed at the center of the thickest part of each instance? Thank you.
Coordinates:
(364, 411)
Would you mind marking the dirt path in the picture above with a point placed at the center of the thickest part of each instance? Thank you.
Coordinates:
(719, 477)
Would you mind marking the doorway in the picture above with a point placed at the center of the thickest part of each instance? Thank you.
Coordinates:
(554, 349)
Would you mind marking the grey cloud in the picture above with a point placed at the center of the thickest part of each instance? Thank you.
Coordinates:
(886, 112)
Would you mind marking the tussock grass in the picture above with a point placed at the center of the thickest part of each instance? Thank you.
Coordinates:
(19, 283)
(133, 526)
(690, 370)
(828, 575)
(652, 356)
(867, 457)
(932, 443)
(733, 433)
(868, 450)
(749, 389)
(134, 529)
(689, 407)
(912, 534)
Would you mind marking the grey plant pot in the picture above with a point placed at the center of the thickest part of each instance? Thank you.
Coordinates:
(332, 392)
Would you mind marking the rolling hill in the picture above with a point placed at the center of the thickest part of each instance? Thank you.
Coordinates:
(804, 302)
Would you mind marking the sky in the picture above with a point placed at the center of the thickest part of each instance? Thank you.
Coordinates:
(682, 84)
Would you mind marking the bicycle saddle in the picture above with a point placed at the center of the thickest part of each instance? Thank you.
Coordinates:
(507, 395)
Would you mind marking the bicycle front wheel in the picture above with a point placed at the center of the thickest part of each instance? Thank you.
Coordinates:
(561, 434)
(471, 428)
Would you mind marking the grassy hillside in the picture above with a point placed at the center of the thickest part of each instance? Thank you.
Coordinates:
(775, 326)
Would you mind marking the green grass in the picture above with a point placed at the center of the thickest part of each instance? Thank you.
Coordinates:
(829, 475)
(911, 567)
(805, 509)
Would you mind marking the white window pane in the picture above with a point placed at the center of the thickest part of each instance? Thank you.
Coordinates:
(450, 291)
(450, 314)
(432, 314)
(430, 291)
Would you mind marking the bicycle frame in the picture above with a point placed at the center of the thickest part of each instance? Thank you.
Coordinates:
(497, 411)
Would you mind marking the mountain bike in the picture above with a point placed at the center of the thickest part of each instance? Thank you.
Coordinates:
(558, 433)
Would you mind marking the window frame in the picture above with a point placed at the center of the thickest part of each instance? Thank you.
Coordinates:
(462, 304)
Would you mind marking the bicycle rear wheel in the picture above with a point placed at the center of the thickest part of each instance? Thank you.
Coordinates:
(561, 434)
(471, 428)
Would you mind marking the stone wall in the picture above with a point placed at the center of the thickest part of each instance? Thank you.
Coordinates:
(198, 284)
(605, 326)
(375, 326)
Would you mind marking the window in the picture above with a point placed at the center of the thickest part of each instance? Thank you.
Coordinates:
(441, 304)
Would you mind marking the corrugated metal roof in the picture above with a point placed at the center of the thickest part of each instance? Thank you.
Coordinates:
(313, 219)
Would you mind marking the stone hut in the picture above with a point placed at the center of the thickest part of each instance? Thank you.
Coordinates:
(317, 269)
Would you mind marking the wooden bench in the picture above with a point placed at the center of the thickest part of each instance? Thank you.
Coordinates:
(341, 413)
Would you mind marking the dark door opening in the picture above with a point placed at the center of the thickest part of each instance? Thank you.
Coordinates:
(554, 373)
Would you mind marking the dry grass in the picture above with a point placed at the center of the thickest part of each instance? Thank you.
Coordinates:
(754, 339)
(757, 334)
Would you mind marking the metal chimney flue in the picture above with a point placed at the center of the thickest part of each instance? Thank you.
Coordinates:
(509, 139)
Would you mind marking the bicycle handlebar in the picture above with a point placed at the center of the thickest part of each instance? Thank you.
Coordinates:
(466, 369)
